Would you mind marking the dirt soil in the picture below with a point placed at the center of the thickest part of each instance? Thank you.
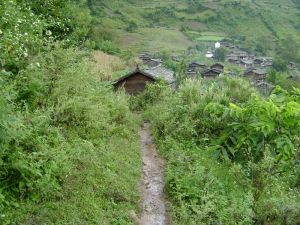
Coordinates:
(152, 186)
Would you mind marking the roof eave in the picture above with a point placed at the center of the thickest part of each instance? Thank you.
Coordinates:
(132, 73)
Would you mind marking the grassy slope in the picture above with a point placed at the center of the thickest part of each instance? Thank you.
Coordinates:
(202, 189)
(100, 186)
(254, 21)
(101, 190)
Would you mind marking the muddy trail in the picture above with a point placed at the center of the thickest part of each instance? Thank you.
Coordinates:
(152, 186)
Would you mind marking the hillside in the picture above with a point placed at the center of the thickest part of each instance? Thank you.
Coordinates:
(196, 145)
(255, 24)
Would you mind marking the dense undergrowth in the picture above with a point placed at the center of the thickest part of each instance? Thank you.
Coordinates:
(61, 146)
(68, 143)
(69, 149)
(232, 156)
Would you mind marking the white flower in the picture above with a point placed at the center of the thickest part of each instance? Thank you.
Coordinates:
(26, 34)
(48, 32)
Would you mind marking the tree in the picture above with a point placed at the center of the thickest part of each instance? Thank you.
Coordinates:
(280, 64)
(263, 44)
(289, 49)
(132, 26)
(220, 54)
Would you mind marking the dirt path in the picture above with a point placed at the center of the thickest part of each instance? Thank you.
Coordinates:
(153, 198)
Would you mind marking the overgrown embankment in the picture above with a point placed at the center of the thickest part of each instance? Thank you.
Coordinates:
(69, 150)
(232, 156)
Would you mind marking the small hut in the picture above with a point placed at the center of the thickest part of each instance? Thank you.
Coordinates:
(217, 66)
(258, 75)
(211, 73)
(195, 66)
(135, 82)
(246, 63)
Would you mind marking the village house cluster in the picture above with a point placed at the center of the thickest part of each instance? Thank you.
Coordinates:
(152, 70)
(254, 67)
(195, 69)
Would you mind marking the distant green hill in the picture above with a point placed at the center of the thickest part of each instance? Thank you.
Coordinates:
(174, 25)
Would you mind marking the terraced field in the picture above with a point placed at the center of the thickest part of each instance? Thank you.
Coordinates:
(159, 24)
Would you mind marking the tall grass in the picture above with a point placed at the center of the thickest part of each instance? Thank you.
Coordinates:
(69, 149)
(219, 169)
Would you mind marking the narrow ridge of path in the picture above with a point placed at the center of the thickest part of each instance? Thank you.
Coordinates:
(152, 186)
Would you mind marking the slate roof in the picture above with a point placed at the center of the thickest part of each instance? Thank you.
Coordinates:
(217, 64)
(257, 71)
(160, 72)
(157, 60)
(146, 57)
(260, 71)
(265, 84)
(247, 62)
(154, 73)
(196, 64)
(215, 71)
(215, 67)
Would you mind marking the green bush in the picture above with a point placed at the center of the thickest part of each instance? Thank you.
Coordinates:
(132, 26)
(29, 27)
(55, 118)
(62, 130)
(107, 46)
(153, 93)
(232, 156)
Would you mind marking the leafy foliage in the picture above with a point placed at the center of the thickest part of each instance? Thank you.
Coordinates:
(220, 54)
(60, 124)
(60, 112)
(28, 27)
(258, 124)
(221, 140)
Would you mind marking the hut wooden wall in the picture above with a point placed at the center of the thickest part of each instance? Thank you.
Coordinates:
(210, 75)
(135, 83)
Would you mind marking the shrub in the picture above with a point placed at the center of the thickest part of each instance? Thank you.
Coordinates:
(107, 46)
(49, 117)
(132, 26)
(232, 156)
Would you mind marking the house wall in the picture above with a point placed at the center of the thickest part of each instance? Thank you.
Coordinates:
(135, 83)
(250, 75)
(257, 77)
(218, 67)
(210, 75)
